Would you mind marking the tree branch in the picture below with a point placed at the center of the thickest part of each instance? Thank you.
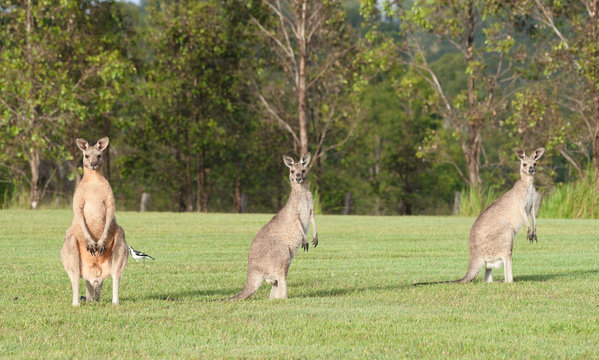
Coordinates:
(282, 123)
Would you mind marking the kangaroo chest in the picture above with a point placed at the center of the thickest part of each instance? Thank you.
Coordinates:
(529, 199)
(94, 207)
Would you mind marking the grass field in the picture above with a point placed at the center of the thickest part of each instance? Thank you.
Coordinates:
(351, 297)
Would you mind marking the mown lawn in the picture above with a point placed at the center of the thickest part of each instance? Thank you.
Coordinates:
(351, 297)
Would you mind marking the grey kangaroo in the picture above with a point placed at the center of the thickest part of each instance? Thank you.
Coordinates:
(492, 235)
(94, 246)
(276, 244)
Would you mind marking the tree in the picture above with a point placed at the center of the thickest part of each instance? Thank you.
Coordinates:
(488, 64)
(568, 53)
(314, 51)
(193, 93)
(48, 74)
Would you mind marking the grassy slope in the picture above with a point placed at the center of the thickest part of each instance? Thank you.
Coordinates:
(349, 298)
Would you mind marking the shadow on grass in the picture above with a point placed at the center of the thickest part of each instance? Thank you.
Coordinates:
(177, 296)
(208, 295)
(546, 277)
(521, 278)
(348, 291)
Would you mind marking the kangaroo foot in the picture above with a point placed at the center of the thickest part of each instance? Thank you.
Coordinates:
(530, 235)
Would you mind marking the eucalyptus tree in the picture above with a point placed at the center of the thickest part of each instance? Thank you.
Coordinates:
(567, 44)
(193, 92)
(49, 72)
(482, 35)
(308, 87)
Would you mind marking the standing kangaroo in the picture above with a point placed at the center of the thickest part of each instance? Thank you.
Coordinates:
(277, 242)
(492, 235)
(94, 246)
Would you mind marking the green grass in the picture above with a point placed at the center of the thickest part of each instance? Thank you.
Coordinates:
(351, 297)
(574, 200)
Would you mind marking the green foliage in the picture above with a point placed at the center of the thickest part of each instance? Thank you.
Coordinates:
(174, 85)
(575, 200)
(317, 202)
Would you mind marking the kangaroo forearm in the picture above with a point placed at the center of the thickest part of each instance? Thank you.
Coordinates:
(525, 217)
(79, 220)
(313, 220)
(109, 220)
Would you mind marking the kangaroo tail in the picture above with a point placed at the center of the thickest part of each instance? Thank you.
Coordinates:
(435, 282)
(474, 267)
(251, 286)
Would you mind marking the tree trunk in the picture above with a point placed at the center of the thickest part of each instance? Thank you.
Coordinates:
(347, 206)
(199, 180)
(244, 202)
(595, 99)
(107, 128)
(457, 201)
(301, 81)
(35, 194)
(201, 187)
(182, 193)
(188, 192)
(145, 199)
(473, 148)
(594, 34)
(238, 195)
(181, 196)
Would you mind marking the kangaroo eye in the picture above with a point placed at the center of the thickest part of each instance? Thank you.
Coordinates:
(292, 171)
(100, 156)
(535, 164)
(524, 165)
(87, 156)
(303, 171)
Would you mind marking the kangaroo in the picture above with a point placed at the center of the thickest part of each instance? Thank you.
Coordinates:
(276, 244)
(493, 231)
(492, 235)
(94, 246)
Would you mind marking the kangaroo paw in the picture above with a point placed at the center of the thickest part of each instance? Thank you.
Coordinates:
(315, 241)
(101, 249)
(305, 245)
(91, 248)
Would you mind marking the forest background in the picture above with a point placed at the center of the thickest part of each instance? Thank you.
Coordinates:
(408, 107)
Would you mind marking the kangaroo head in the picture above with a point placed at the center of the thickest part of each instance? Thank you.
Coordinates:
(92, 155)
(297, 171)
(529, 163)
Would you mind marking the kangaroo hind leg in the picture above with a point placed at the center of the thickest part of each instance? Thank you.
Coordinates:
(71, 263)
(120, 255)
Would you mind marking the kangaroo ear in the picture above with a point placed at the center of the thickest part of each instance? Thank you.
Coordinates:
(82, 144)
(538, 153)
(288, 160)
(102, 144)
(305, 159)
(519, 153)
